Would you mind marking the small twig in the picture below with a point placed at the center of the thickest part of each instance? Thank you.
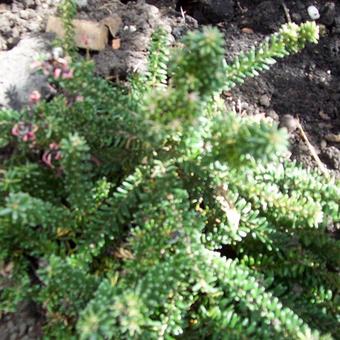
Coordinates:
(285, 8)
(312, 149)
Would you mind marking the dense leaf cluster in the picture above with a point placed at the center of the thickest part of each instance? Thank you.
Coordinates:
(148, 211)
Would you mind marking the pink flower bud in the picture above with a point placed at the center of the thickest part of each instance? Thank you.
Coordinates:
(57, 73)
(25, 131)
(15, 130)
(52, 154)
(34, 97)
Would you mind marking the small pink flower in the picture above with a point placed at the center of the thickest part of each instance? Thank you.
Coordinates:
(67, 74)
(57, 73)
(52, 154)
(25, 131)
(34, 97)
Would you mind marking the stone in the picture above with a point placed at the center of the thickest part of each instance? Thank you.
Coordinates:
(265, 100)
(5, 25)
(288, 122)
(328, 13)
(29, 3)
(217, 10)
(331, 155)
(313, 13)
(273, 115)
(27, 14)
(17, 81)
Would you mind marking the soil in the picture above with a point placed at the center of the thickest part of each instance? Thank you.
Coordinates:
(306, 85)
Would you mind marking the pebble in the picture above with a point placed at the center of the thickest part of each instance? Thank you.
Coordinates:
(288, 122)
(265, 100)
(273, 115)
(313, 13)
(328, 13)
(27, 14)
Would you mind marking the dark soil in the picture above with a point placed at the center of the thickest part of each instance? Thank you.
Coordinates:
(306, 85)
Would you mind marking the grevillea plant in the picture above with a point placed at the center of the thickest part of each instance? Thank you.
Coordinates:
(149, 211)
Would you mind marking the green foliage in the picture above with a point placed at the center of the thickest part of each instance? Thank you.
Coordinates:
(148, 211)
(68, 10)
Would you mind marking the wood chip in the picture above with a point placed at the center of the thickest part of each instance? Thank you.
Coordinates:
(331, 137)
(116, 44)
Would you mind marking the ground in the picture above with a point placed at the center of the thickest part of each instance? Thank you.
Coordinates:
(306, 86)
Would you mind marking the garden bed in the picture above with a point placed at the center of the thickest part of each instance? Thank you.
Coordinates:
(305, 86)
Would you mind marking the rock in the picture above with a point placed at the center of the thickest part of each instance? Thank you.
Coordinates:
(288, 122)
(328, 13)
(33, 26)
(313, 13)
(29, 3)
(27, 14)
(273, 115)
(82, 3)
(265, 100)
(215, 11)
(331, 155)
(5, 25)
(16, 79)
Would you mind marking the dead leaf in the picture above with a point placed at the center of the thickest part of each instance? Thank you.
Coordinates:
(331, 137)
(247, 30)
(90, 35)
(116, 44)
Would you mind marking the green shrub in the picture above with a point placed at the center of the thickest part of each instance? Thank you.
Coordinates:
(148, 211)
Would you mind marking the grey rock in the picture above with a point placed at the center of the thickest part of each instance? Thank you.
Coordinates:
(29, 3)
(331, 155)
(27, 14)
(16, 78)
(288, 122)
(328, 13)
(265, 100)
(5, 25)
(33, 25)
(273, 115)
